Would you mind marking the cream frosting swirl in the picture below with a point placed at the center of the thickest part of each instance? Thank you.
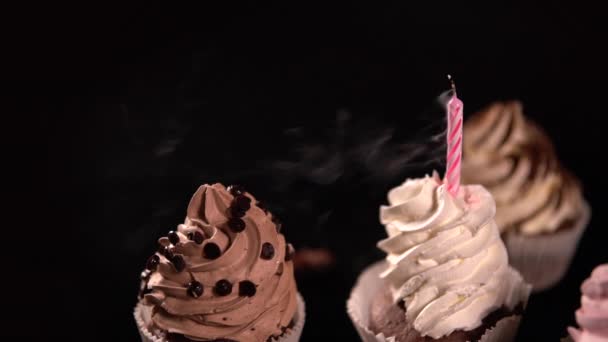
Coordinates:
(446, 259)
(232, 316)
(592, 317)
(515, 160)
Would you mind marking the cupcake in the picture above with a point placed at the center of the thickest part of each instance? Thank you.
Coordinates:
(446, 276)
(540, 209)
(225, 274)
(592, 317)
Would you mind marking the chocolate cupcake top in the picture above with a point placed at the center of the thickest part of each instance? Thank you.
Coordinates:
(446, 260)
(514, 159)
(592, 317)
(223, 273)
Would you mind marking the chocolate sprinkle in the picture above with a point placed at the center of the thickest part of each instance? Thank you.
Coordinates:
(289, 252)
(279, 269)
(236, 190)
(195, 289)
(178, 262)
(267, 251)
(196, 237)
(222, 287)
(211, 251)
(152, 262)
(247, 288)
(173, 237)
(236, 224)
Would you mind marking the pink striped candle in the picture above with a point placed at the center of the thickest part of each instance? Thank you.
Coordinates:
(454, 142)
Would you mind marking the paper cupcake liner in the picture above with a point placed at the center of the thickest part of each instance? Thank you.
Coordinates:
(369, 283)
(143, 318)
(543, 260)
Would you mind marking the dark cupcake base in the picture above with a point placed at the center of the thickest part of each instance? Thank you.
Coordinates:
(389, 319)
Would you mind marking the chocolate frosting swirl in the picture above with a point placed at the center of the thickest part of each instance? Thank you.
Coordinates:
(515, 160)
(239, 313)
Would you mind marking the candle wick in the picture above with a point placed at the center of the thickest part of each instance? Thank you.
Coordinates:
(452, 83)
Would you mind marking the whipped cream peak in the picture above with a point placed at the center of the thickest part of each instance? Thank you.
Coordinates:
(592, 317)
(446, 261)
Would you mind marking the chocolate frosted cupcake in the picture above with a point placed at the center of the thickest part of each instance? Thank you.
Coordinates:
(541, 212)
(446, 276)
(225, 274)
(592, 317)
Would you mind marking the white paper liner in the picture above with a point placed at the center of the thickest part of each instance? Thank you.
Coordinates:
(143, 316)
(369, 283)
(543, 260)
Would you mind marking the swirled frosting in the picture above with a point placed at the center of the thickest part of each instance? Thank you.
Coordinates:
(516, 162)
(226, 308)
(446, 260)
(592, 317)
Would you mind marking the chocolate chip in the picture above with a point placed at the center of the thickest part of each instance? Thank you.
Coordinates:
(242, 202)
(278, 223)
(247, 288)
(196, 236)
(212, 251)
(178, 262)
(152, 262)
(289, 252)
(267, 251)
(236, 224)
(195, 289)
(173, 237)
(236, 212)
(222, 287)
(236, 190)
(166, 251)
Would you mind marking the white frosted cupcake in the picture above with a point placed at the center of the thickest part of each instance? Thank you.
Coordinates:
(541, 212)
(446, 276)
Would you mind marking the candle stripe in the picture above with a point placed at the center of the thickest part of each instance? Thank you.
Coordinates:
(455, 148)
(456, 129)
(454, 165)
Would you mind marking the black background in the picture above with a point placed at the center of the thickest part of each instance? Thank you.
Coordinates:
(131, 108)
